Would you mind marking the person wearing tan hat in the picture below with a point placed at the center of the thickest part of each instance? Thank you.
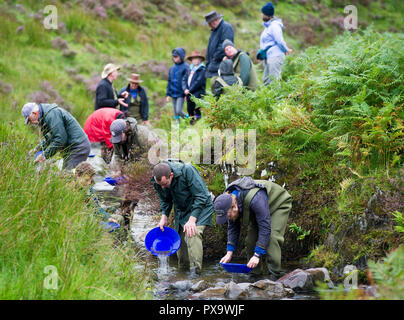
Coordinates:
(138, 104)
(194, 84)
(105, 94)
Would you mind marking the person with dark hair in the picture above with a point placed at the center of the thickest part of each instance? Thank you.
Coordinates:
(97, 128)
(138, 104)
(272, 45)
(220, 31)
(263, 208)
(181, 185)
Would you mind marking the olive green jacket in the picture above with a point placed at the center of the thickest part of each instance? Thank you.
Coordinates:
(124, 151)
(60, 130)
(188, 193)
(244, 68)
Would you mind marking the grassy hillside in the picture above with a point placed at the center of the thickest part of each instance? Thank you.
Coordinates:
(64, 65)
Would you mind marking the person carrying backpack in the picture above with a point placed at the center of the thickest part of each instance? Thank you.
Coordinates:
(226, 78)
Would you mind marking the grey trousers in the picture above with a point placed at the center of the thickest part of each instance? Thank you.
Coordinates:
(272, 69)
(178, 104)
(76, 155)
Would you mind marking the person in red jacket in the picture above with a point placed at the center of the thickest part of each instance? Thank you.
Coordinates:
(97, 128)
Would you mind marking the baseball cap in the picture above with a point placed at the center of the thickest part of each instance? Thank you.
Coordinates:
(222, 205)
(27, 110)
(117, 127)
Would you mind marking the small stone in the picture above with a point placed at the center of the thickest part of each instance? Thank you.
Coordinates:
(217, 292)
(199, 286)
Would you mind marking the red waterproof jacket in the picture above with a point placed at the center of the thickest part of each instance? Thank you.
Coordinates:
(97, 125)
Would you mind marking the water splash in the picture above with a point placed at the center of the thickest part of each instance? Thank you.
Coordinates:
(164, 268)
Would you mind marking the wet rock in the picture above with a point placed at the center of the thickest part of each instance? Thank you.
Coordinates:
(183, 285)
(237, 290)
(199, 286)
(216, 292)
(268, 289)
(304, 280)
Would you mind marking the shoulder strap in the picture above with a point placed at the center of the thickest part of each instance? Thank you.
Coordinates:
(246, 205)
(222, 82)
(236, 62)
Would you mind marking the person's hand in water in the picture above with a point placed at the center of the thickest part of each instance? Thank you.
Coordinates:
(163, 222)
(227, 257)
(190, 227)
(253, 262)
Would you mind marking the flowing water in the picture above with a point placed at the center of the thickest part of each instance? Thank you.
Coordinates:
(171, 282)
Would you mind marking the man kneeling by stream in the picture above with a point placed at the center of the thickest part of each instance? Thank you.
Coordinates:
(181, 184)
(263, 207)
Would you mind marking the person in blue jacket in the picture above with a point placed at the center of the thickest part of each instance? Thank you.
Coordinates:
(220, 31)
(174, 85)
(194, 84)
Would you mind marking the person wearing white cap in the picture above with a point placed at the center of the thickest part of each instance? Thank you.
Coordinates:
(105, 94)
(61, 132)
(124, 138)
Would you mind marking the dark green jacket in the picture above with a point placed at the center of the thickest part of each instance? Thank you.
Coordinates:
(59, 128)
(188, 193)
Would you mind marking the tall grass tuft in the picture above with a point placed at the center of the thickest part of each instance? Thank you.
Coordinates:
(45, 221)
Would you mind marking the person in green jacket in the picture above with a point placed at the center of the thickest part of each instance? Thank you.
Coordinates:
(61, 132)
(263, 208)
(242, 65)
(181, 185)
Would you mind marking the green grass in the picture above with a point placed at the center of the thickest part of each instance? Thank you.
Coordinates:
(44, 221)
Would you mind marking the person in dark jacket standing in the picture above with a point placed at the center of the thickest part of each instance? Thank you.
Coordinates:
(194, 84)
(263, 208)
(138, 104)
(174, 86)
(105, 94)
(61, 132)
(226, 78)
(220, 31)
(181, 184)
